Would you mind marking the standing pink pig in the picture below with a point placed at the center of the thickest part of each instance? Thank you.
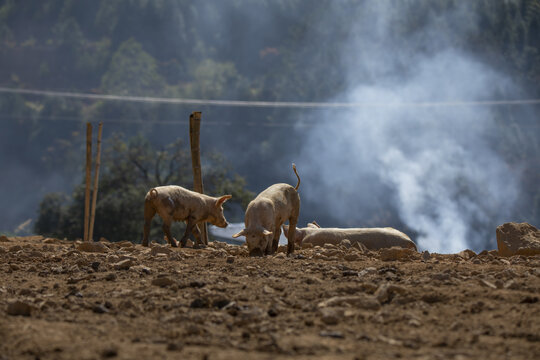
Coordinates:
(174, 203)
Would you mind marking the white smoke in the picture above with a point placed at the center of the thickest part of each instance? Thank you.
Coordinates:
(434, 165)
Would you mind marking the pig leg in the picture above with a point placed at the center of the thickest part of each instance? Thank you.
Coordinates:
(190, 225)
(197, 234)
(292, 232)
(275, 241)
(149, 212)
(167, 231)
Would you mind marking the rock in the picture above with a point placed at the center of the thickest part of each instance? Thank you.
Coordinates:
(4, 238)
(110, 277)
(158, 249)
(230, 259)
(197, 284)
(395, 253)
(466, 254)
(200, 303)
(100, 309)
(518, 239)
(386, 292)
(352, 257)
(162, 281)
(52, 241)
(331, 316)
(511, 285)
(367, 271)
(360, 301)
(220, 302)
(141, 269)
(123, 265)
(432, 297)
(349, 272)
(93, 247)
(34, 254)
(426, 255)
(268, 290)
(19, 308)
(15, 248)
(332, 334)
(280, 255)
(487, 283)
(311, 280)
(248, 316)
(110, 351)
(124, 244)
(346, 243)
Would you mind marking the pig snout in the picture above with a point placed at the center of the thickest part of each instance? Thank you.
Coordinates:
(222, 224)
(256, 252)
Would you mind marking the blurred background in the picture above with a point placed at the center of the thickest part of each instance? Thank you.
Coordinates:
(420, 115)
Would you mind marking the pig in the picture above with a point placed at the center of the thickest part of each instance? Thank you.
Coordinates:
(174, 203)
(266, 213)
(371, 238)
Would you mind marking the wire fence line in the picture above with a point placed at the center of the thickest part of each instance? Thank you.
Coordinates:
(267, 104)
(157, 122)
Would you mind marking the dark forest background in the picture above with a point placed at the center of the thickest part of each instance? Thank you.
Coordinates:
(267, 50)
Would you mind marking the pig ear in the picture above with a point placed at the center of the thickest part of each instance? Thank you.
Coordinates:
(286, 230)
(266, 232)
(222, 199)
(313, 224)
(241, 233)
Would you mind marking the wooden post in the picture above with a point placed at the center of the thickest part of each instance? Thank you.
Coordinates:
(194, 134)
(96, 180)
(88, 173)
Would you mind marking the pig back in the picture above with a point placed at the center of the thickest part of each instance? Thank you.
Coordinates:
(285, 199)
(371, 238)
(175, 202)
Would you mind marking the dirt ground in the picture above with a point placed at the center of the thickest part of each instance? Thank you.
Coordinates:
(131, 302)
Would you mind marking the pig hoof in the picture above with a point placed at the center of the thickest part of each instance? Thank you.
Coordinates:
(174, 243)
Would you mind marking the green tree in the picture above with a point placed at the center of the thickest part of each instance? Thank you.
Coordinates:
(132, 71)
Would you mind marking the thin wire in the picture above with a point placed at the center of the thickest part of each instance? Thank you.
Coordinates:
(151, 122)
(274, 104)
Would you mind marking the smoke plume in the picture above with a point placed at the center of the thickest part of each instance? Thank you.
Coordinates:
(435, 165)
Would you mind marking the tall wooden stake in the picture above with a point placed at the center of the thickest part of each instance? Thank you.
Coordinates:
(96, 180)
(194, 135)
(88, 173)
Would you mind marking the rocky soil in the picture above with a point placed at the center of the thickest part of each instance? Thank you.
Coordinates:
(64, 300)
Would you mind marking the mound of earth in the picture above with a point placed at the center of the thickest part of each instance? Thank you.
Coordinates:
(64, 300)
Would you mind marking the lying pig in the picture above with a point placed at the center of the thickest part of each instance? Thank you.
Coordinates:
(174, 203)
(371, 238)
(265, 215)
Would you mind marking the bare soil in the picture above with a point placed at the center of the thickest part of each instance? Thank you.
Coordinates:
(131, 302)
